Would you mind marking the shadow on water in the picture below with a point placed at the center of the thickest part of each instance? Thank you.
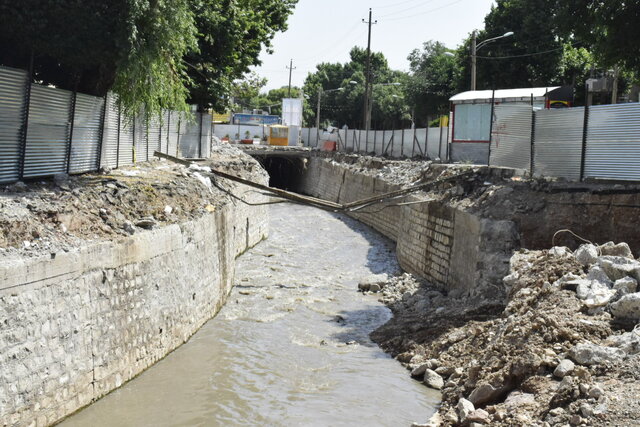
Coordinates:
(374, 238)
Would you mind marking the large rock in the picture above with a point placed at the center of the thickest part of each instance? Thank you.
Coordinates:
(594, 293)
(591, 354)
(586, 254)
(629, 342)
(628, 285)
(433, 380)
(618, 267)
(627, 308)
(565, 367)
(464, 408)
(597, 273)
(621, 249)
(479, 416)
(484, 393)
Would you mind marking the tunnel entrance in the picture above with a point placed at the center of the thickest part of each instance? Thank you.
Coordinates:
(284, 172)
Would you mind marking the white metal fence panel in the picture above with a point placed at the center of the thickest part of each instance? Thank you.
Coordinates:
(155, 135)
(558, 143)
(85, 141)
(173, 129)
(140, 138)
(511, 136)
(436, 142)
(48, 132)
(613, 142)
(12, 114)
(126, 141)
(190, 137)
(110, 133)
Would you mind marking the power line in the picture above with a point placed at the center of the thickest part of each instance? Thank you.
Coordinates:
(398, 12)
(521, 56)
(424, 13)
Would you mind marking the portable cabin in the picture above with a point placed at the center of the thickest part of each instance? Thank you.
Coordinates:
(278, 135)
(471, 116)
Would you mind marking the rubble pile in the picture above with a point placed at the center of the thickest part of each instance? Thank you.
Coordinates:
(563, 350)
(53, 215)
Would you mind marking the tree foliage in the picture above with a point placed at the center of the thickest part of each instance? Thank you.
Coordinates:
(346, 107)
(152, 53)
(432, 80)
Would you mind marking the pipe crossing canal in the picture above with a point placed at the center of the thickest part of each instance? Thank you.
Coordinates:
(291, 346)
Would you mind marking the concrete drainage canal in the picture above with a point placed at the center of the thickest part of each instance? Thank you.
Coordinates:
(291, 346)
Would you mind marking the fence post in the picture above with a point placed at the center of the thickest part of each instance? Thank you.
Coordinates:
(118, 136)
(493, 99)
(146, 130)
(168, 130)
(133, 145)
(585, 130)
(178, 136)
(72, 117)
(375, 140)
(366, 140)
(103, 118)
(200, 138)
(402, 144)
(25, 122)
(533, 140)
(440, 140)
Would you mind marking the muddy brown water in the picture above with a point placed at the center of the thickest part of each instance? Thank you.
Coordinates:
(291, 346)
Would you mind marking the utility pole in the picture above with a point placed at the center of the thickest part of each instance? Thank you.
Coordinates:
(474, 59)
(367, 86)
(291, 68)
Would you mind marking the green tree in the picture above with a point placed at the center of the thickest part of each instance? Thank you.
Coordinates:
(432, 80)
(232, 35)
(152, 53)
(346, 107)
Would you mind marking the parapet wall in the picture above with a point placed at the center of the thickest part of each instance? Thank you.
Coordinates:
(76, 325)
(461, 252)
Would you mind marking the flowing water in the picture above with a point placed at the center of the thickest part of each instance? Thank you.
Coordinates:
(291, 346)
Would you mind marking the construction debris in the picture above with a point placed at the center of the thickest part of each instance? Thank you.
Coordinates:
(564, 349)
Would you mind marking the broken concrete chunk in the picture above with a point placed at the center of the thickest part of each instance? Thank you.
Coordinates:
(146, 223)
(597, 273)
(591, 354)
(479, 416)
(484, 393)
(629, 342)
(559, 251)
(586, 254)
(621, 250)
(627, 308)
(433, 380)
(628, 285)
(420, 370)
(564, 368)
(619, 267)
(464, 408)
(517, 399)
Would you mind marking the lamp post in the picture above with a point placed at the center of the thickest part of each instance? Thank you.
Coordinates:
(474, 50)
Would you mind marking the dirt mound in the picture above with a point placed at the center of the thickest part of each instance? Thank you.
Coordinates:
(548, 357)
(59, 214)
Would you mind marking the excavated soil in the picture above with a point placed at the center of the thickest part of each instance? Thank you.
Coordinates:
(509, 353)
(59, 214)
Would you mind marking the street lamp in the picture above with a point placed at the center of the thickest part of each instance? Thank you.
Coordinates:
(474, 50)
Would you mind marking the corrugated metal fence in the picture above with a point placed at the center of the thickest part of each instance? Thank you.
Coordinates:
(425, 143)
(45, 131)
(599, 142)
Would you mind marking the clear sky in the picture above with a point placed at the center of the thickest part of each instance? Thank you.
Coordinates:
(325, 31)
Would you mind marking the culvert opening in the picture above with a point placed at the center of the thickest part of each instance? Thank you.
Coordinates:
(284, 172)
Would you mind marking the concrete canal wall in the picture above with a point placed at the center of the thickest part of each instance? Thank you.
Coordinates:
(76, 325)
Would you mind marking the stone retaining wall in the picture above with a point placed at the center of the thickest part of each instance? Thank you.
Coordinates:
(458, 251)
(76, 325)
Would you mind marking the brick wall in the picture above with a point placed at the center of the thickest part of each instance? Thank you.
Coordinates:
(460, 252)
(80, 324)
